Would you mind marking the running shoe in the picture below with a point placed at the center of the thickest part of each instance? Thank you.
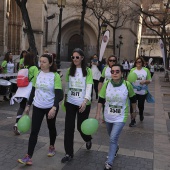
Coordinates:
(51, 151)
(67, 158)
(26, 160)
(15, 130)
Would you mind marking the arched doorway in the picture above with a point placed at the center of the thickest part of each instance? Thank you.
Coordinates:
(74, 42)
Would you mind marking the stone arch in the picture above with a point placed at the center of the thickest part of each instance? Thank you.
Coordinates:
(71, 27)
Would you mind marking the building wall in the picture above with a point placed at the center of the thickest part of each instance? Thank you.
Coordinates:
(39, 10)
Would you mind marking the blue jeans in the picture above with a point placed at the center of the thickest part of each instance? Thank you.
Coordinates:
(114, 130)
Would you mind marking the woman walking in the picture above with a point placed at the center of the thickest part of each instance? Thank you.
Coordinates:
(45, 95)
(115, 93)
(7, 67)
(77, 101)
(140, 86)
(32, 70)
(106, 74)
(96, 74)
(21, 61)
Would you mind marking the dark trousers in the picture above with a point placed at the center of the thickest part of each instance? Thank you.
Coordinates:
(37, 118)
(21, 109)
(95, 86)
(141, 101)
(71, 112)
(125, 73)
(152, 73)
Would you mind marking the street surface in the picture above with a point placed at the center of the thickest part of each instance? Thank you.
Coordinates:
(144, 147)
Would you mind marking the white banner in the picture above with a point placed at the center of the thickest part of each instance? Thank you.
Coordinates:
(105, 40)
(162, 50)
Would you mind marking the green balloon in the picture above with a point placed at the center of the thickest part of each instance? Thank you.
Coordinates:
(24, 124)
(89, 126)
(132, 77)
(63, 106)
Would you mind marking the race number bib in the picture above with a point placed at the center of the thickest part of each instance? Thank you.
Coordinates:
(114, 110)
(76, 93)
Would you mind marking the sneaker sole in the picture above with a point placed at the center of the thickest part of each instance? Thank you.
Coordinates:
(20, 161)
(50, 155)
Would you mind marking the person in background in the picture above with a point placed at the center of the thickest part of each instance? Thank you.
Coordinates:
(22, 56)
(131, 64)
(125, 68)
(79, 82)
(7, 67)
(32, 70)
(95, 67)
(46, 94)
(140, 87)
(115, 93)
(152, 69)
(106, 74)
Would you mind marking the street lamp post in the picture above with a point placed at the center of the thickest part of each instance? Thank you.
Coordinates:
(103, 27)
(61, 5)
(136, 46)
(119, 46)
(141, 51)
(151, 48)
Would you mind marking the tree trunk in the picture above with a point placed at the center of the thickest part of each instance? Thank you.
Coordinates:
(83, 13)
(114, 34)
(28, 28)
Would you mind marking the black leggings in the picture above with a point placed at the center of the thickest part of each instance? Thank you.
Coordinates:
(21, 109)
(141, 101)
(37, 118)
(96, 82)
(71, 112)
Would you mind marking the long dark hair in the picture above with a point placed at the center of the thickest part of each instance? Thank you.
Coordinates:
(29, 60)
(6, 58)
(49, 56)
(83, 63)
(21, 55)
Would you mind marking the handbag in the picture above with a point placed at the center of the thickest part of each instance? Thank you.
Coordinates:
(150, 98)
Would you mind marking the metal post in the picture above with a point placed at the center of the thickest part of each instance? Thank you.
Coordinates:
(59, 39)
(119, 52)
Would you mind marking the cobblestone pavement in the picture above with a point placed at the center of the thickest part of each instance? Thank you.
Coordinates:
(144, 147)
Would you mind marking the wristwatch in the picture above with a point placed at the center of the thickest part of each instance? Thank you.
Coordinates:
(54, 108)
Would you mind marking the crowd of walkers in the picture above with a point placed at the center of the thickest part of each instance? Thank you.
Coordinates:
(115, 95)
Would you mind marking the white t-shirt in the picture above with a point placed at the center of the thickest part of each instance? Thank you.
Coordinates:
(10, 67)
(95, 72)
(44, 93)
(77, 88)
(152, 68)
(126, 66)
(106, 73)
(141, 75)
(131, 65)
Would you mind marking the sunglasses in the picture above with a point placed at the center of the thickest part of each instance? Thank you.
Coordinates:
(138, 61)
(115, 71)
(112, 60)
(49, 54)
(73, 57)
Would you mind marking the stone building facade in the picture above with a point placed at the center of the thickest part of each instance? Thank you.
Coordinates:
(12, 36)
